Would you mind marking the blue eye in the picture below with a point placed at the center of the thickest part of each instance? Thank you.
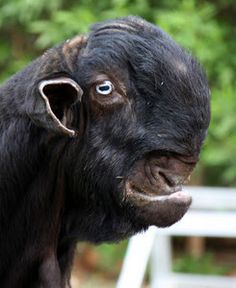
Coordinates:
(105, 88)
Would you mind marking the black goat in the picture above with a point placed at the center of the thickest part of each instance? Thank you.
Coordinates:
(97, 137)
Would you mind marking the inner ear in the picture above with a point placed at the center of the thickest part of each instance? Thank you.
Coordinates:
(59, 95)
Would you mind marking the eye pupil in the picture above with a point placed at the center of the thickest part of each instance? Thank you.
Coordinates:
(104, 88)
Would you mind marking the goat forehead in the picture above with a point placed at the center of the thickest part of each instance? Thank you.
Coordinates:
(130, 53)
(130, 23)
(146, 51)
(123, 30)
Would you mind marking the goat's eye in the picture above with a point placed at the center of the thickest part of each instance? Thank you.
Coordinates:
(104, 88)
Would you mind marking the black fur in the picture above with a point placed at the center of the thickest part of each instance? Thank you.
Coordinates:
(56, 190)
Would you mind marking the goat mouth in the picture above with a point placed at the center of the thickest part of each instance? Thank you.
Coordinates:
(161, 209)
(153, 189)
(175, 195)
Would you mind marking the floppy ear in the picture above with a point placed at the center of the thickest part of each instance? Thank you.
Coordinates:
(49, 101)
(52, 109)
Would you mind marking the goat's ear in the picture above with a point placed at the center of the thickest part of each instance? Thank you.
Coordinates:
(52, 110)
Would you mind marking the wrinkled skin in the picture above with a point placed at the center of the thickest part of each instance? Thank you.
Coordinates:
(78, 164)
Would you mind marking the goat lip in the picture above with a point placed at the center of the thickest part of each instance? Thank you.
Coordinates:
(175, 195)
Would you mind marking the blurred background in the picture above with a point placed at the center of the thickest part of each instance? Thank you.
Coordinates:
(208, 30)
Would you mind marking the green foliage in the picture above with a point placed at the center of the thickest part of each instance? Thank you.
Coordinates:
(111, 256)
(206, 28)
(201, 265)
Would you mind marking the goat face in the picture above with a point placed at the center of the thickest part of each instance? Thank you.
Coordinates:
(141, 120)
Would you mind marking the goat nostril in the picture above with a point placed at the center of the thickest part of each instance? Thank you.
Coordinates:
(151, 172)
(168, 179)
